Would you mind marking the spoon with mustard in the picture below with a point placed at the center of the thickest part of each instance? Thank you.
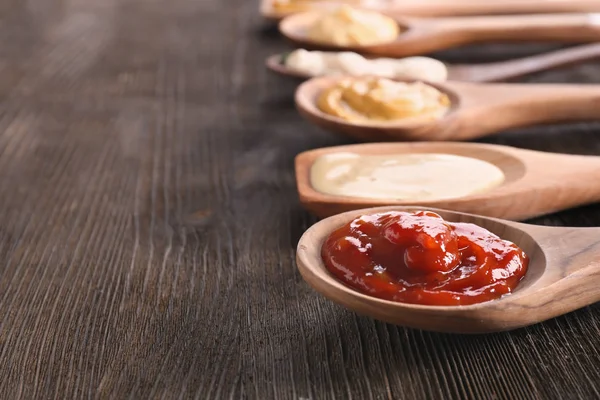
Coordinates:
(487, 179)
(369, 32)
(561, 276)
(275, 10)
(486, 72)
(367, 110)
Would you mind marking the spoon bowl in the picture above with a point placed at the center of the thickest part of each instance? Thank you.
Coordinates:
(476, 110)
(487, 72)
(535, 183)
(562, 276)
(425, 35)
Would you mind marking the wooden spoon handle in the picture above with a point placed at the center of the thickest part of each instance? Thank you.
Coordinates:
(568, 280)
(498, 71)
(497, 107)
(437, 8)
(553, 182)
(547, 27)
(572, 259)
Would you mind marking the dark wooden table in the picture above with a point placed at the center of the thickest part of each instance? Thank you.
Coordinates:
(149, 219)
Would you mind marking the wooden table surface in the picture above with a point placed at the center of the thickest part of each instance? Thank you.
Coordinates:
(149, 219)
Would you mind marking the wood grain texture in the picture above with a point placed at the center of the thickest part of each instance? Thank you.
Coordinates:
(149, 218)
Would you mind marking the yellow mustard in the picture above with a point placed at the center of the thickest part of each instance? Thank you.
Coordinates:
(363, 99)
(301, 5)
(348, 26)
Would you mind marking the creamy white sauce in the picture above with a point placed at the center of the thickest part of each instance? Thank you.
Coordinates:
(316, 63)
(407, 177)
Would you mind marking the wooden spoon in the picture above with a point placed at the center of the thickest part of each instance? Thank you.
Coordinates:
(426, 35)
(477, 110)
(536, 183)
(563, 275)
(441, 8)
(488, 72)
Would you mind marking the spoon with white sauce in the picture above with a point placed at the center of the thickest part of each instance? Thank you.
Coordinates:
(415, 36)
(306, 64)
(562, 276)
(475, 110)
(492, 180)
(278, 9)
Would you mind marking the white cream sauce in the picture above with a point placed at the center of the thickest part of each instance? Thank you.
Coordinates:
(406, 177)
(317, 63)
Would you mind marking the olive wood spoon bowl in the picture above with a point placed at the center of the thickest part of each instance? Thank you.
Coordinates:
(487, 72)
(536, 183)
(442, 8)
(426, 35)
(563, 275)
(476, 110)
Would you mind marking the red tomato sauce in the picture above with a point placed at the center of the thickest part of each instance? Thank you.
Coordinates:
(419, 258)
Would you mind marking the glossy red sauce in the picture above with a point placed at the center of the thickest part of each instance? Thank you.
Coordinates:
(420, 258)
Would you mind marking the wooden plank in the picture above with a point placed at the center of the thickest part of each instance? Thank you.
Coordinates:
(149, 218)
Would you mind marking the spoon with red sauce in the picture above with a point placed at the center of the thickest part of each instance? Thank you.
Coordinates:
(473, 282)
